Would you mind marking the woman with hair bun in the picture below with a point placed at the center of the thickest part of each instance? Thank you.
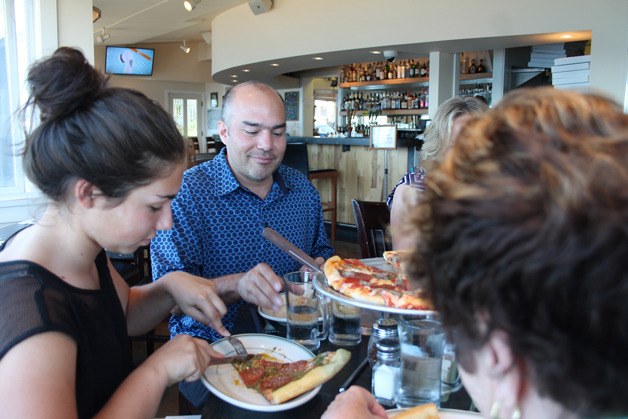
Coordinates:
(110, 161)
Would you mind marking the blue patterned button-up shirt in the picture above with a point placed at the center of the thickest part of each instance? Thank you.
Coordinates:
(218, 230)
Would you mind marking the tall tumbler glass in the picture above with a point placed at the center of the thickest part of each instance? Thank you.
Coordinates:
(307, 312)
(422, 342)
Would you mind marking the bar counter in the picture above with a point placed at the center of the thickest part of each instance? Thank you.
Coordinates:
(364, 173)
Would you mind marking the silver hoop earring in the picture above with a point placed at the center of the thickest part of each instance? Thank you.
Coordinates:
(495, 410)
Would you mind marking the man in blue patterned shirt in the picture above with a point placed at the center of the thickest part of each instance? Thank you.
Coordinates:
(225, 203)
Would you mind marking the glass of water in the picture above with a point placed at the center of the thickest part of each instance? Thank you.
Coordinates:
(307, 313)
(422, 342)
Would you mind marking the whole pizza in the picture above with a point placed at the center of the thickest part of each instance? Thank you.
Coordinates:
(355, 279)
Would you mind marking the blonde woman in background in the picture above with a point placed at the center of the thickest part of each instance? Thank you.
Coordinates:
(450, 117)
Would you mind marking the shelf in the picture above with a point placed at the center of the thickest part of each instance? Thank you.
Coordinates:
(476, 78)
(389, 112)
(383, 84)
(416, 81)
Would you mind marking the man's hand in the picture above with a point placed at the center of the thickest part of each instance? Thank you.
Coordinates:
(319, 262)
(261, 286)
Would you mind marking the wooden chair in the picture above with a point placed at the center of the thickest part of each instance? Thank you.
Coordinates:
(372, 220)
(135, 269)
(296, 157)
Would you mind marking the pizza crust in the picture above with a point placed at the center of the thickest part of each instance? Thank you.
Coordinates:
(423, 411)
(311, 379)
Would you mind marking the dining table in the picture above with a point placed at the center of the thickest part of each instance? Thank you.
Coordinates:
(249, 321)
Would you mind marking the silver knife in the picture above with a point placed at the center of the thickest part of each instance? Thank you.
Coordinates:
(293, 251)
(230, 359)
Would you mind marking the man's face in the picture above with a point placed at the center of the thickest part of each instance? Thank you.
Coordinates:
(255, 135)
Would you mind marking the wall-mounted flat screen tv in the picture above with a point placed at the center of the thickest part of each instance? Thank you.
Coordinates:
(129, 61)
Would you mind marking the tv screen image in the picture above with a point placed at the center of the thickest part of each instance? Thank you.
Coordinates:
(129, 61)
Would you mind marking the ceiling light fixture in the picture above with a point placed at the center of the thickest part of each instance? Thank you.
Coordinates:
(275, 65)
(96, 13)
(375, 52)
(567, 36)
(245, 70)
(184, 47)
(190, 4)
(318, 58)
(102, 37)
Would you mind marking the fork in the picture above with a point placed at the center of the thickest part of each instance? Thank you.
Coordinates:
(237, 345)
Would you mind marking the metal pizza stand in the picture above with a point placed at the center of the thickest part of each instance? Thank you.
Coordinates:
(321, 285)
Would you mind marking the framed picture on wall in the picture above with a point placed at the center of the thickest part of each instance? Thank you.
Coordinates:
(292, 106)
(213, 101)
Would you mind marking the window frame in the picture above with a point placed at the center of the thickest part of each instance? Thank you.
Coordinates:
(20, 200)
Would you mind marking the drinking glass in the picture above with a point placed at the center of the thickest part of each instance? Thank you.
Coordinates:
(307, 312)
(345, 328)
(422, 342)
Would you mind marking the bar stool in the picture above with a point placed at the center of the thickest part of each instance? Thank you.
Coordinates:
(296, 157)
(331, 205)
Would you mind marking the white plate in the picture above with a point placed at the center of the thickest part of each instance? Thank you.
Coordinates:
(225, 382)
(443, 413)
(279, 315)
(320, 283)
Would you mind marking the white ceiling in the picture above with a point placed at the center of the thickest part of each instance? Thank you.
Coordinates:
(130, 22)
(134, 21)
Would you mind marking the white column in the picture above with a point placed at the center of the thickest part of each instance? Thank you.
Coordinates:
(441, 79)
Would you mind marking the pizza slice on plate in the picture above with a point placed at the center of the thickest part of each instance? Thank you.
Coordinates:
(354, 279)
(283, 381)
(396, 259)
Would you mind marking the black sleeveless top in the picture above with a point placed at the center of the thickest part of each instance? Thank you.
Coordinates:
(34, 300)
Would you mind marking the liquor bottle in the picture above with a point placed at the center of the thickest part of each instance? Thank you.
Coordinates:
(481, 68)
(464, 63)
(423, 70)
(472, 67)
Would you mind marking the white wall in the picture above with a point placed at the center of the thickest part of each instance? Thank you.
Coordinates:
(309, 27)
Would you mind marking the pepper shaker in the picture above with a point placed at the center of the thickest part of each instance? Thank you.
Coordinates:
(383, 328)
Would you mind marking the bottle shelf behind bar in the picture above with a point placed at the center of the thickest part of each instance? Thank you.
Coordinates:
(412, 82)
(388, 112)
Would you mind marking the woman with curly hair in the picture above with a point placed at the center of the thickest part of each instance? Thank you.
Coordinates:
(523, 245)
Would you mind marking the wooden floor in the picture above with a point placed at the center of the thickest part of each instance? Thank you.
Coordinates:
(170, 402)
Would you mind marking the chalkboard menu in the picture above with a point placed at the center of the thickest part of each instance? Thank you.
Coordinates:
(292, 106)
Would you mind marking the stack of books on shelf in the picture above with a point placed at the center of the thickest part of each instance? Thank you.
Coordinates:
(571, 72)
(543, 56)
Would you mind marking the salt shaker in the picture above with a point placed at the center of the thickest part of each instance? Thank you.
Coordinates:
(384, 328)
(385, 381)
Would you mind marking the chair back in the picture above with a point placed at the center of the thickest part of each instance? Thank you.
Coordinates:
(372, 220)
(296, 157)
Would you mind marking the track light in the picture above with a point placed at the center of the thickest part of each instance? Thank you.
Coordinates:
(190, 4)
(102, 37)
(184, 48)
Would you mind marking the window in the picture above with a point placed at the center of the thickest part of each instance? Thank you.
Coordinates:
(325, 112)
(19, 47)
